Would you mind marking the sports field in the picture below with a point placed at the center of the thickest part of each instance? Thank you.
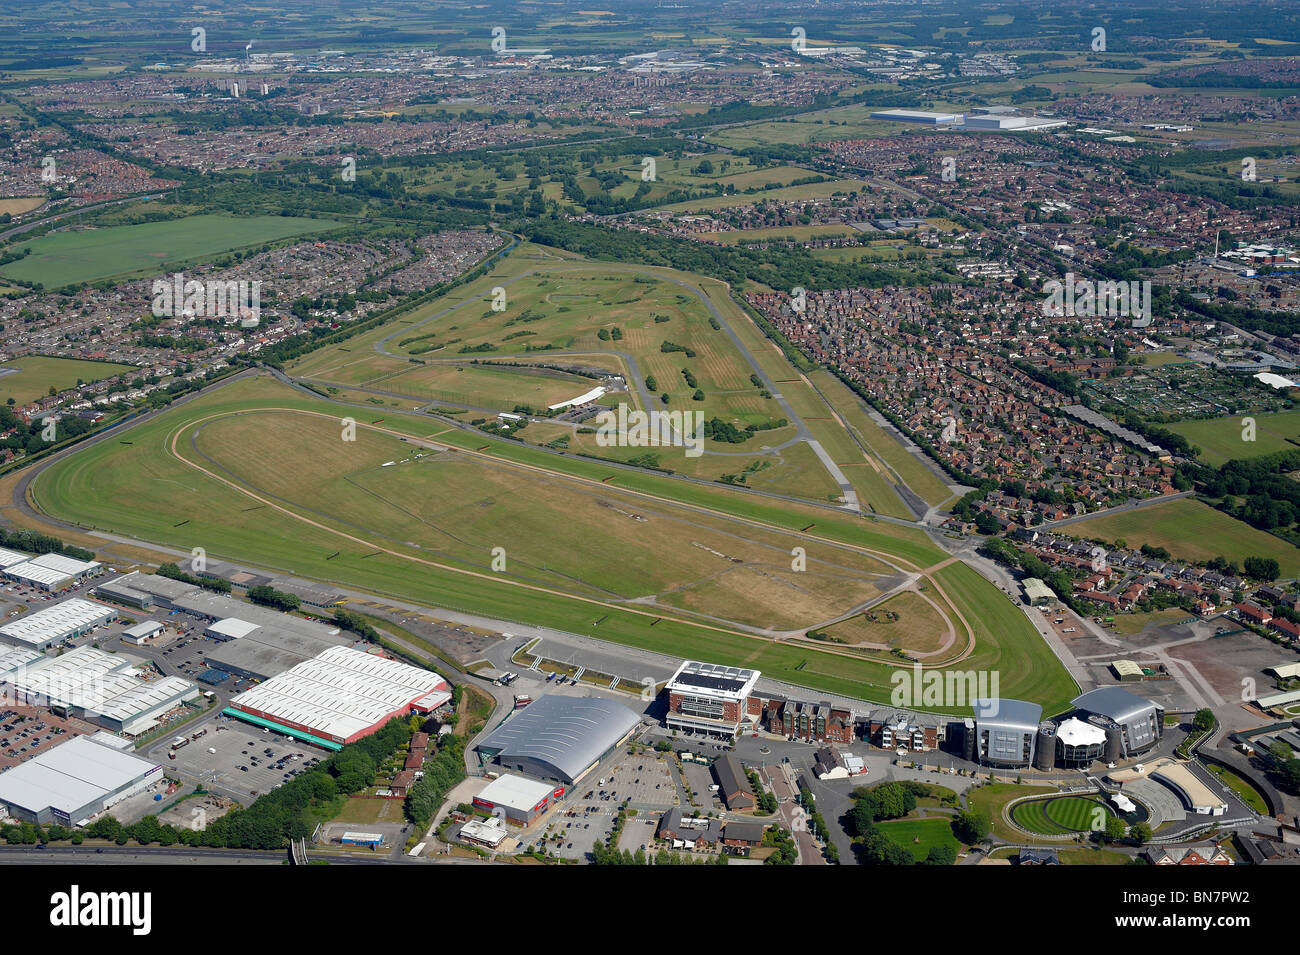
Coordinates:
(1225, 439)
(1191, 531)
(694, 570)
(32, 377)
(84, 255)
(1061, 815)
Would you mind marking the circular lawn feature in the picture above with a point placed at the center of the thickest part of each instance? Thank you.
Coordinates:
(1059, 815)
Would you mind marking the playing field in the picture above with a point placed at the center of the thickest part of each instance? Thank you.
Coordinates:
(85, 255)
(32, 377)
(694, 570)
(1191, 531)
(1230, 438)
(1061, 815)
(919, 836)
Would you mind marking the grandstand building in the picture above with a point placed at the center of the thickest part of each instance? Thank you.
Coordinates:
(1133, 724)
(1005, 732)
(708, 698)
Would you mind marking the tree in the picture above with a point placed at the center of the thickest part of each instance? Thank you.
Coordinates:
(1204, 719)
(1262, 568)
(1140, 833)
(943, 854)
(1115, 829)
(971, 826)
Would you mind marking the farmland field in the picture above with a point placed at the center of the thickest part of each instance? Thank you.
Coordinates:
(85, 255)
(1191, 531)
(1221, 439)
(29, 378)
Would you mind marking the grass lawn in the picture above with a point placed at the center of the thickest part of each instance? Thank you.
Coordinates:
(1191, 531)
(33, 376)
(918, 836)
(1092, 857)
(357, 810)
(1221, 439)
(89, 486)
(991, 798)
(1249, 795)
(85, 255)
(1054, 817)
(1130, 624)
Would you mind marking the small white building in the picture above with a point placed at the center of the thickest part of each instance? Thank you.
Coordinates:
(142, 632)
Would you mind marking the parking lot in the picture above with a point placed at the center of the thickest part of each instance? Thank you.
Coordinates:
(575, 830)
(700, 779)
(643, 782)
(26, 731)
(241, 764)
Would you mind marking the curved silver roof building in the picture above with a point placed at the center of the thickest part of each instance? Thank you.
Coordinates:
(558, 737)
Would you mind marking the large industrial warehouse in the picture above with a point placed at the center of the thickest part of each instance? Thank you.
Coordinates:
(72, 782)
(558, 738)
(100, 687)
(340, 696)
(68, 618)
(51, 572)
(248, 641)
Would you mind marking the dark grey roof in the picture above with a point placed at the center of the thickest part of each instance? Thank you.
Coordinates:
(1113, 701)
(731, 776)
(568, 733)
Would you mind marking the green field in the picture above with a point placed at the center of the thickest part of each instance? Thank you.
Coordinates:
(86, 255)
(35, 375)
(1221, 439)
(919, 836)
(1058, 816)
(1191, 531)
(293, 496)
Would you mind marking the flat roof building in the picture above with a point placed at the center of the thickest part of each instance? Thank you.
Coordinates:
(916, 116)
(709, 698)
(74, 781)
(49, 625)
(340, 696)
(558, 738)
(230, 628)
(517, 800)
(142, 632)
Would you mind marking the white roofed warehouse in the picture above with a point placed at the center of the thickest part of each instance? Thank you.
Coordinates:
(517, 800)
(51, 572)
(103, 688)
(68, 618)
(340, 696)
(74, 781)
